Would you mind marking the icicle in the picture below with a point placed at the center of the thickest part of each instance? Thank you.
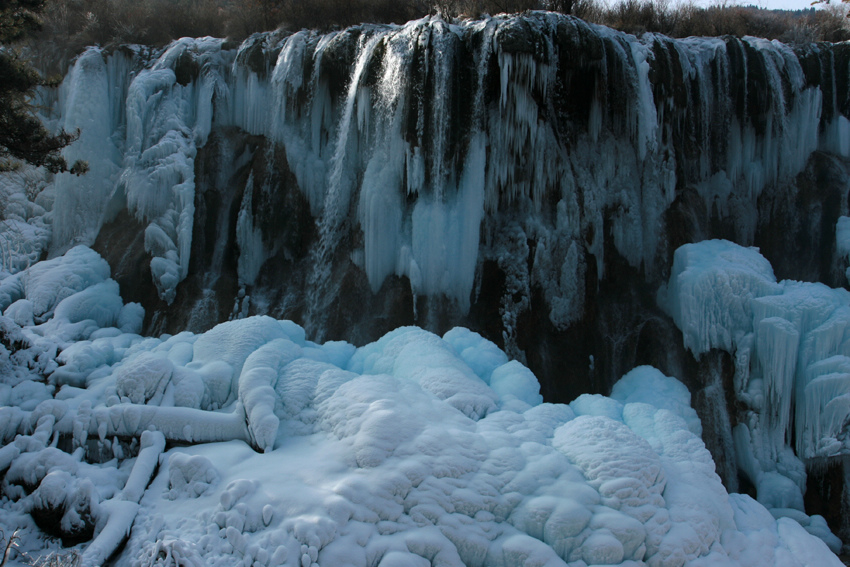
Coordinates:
(81, 201)
(778, 340)
(249, 239)
(339, 189)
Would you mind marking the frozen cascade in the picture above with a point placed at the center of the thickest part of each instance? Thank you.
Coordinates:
(305, 132)
(140, 127)
(89, 104)
(529, 177)
(167, 121)
(577, 107)
(339, 190)
(249, 239)
(790, 340)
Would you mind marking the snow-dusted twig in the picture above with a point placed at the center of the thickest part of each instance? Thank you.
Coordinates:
(9, 546)
(55, 559)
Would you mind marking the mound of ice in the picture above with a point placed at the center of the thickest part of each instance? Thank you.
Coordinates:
(412, 450)
(47, 283)
(189, 476)
(431, 362)
(143, 378)
(648, 385)
(391, 473)
(712, 284)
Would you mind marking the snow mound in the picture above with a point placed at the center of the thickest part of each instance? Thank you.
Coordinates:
(648, 385)
(47, 283)
(412, 450)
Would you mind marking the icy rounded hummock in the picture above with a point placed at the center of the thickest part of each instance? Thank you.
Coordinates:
(415, 449)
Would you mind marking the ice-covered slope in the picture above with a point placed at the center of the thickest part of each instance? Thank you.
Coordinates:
(413, 450)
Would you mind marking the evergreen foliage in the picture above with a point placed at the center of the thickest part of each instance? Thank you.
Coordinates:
(22, 136)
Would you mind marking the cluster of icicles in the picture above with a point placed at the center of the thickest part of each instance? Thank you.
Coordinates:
(428, 129)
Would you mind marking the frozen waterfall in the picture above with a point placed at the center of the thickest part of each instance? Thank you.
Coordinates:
(333, 291)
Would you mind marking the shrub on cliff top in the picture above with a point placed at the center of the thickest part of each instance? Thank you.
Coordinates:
(72, 24)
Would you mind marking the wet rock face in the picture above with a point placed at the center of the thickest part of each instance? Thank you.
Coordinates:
(797, 222)
(121, 242)
(827, 494)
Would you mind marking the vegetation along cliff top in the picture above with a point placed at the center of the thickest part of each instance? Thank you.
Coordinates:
(72, 24)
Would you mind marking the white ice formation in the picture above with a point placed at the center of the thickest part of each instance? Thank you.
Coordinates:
(420, 131)
(413, 450)
(791, 345)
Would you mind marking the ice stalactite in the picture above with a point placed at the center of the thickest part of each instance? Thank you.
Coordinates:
(778, 343)
(89, 105)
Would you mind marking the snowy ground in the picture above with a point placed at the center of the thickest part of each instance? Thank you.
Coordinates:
(267, 449)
